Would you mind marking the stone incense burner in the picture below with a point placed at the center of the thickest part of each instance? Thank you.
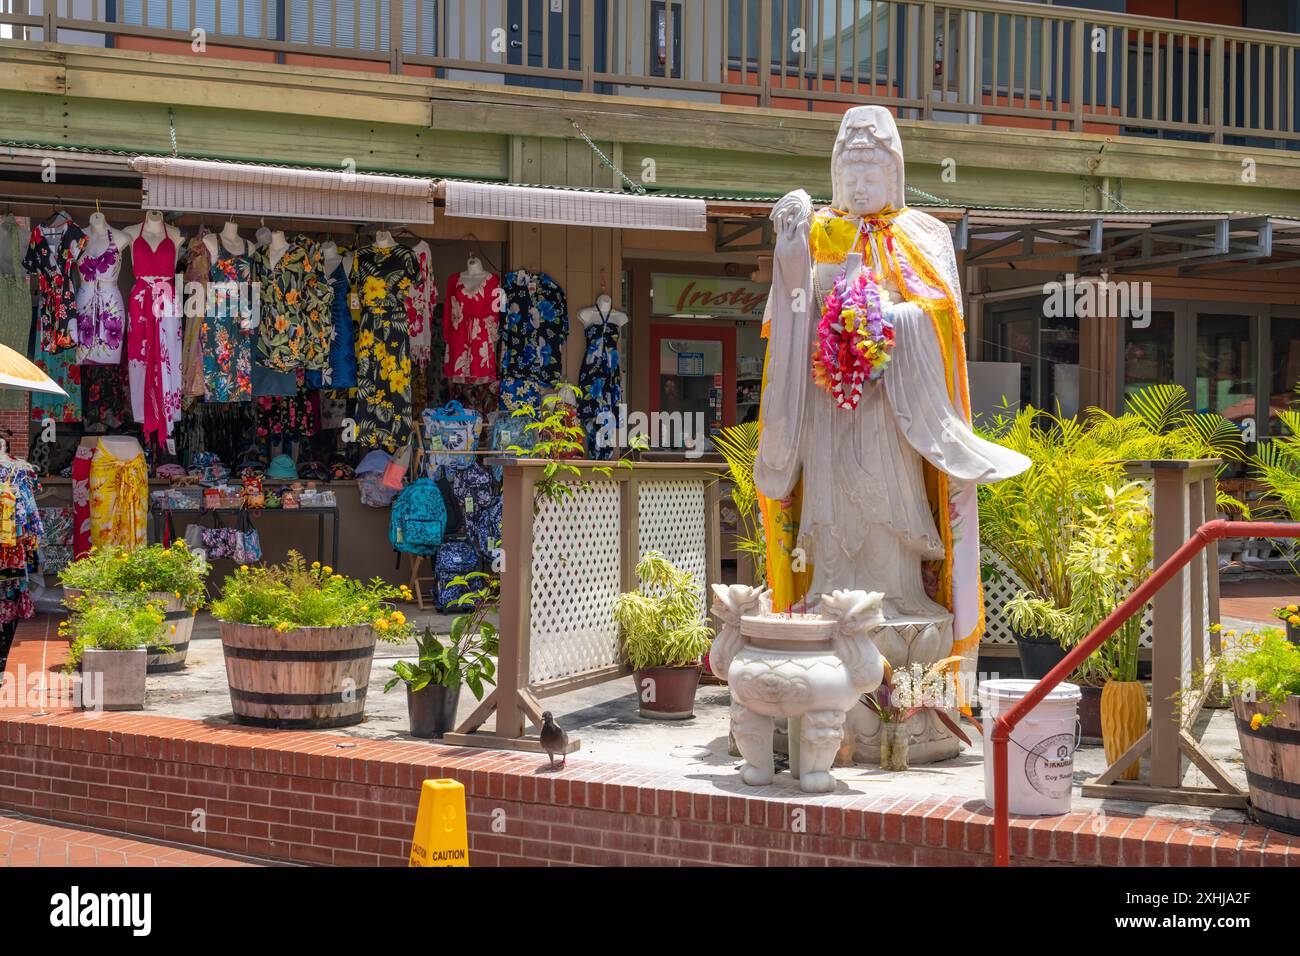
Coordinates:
(810, 668)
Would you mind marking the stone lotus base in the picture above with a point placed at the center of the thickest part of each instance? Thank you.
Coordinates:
(905, 642)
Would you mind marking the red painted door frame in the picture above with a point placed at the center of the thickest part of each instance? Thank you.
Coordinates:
(725, 334)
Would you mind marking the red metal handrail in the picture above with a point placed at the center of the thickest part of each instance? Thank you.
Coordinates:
(1002, 727)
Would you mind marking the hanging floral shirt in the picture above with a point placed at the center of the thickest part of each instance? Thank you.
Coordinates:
(297, 302)
(534, 327)
(382, 277)
(52, 257)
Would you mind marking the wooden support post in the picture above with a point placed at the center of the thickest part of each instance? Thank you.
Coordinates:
(1169, 529)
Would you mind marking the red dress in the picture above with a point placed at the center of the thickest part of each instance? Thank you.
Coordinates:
(470, 326)
(153, 340)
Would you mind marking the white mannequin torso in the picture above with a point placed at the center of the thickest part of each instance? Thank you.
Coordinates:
(228, 239)
(275, 248)
(384, 239)
(473, 276)
(121, 447)
(330, 257)
(100, 234)
(604, 308)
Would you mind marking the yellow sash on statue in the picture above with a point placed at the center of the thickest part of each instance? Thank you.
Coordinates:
(832, 237)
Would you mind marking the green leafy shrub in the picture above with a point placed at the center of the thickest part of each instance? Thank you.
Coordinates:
(292, 595)
(173, 570)
(466, 658)
(663, 624)
(1261, 667)
(114, 621)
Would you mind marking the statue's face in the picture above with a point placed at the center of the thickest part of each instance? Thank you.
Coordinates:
(864, 170)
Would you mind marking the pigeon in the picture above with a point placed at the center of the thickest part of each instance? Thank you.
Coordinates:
(554, 739)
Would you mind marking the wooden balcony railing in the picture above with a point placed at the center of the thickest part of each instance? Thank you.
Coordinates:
(1003, 63)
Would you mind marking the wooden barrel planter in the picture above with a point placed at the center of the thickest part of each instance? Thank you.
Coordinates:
(175, 614)
(1272, 758)
(305, 678)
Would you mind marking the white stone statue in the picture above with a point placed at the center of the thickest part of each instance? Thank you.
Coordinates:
(888, 484)
(809, 667)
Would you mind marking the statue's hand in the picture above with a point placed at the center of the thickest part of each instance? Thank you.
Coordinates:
(789, 216)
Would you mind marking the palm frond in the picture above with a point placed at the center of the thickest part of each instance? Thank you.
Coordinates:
(1160, 406)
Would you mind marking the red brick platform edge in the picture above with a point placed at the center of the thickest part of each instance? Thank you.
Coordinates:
(331, 799)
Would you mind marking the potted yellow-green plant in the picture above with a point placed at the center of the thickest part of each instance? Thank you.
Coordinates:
(665, 635)
(299, 641)
(172, 576)
(1110, 555)
(112, 635)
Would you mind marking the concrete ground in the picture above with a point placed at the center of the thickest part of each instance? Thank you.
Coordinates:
(605, 718)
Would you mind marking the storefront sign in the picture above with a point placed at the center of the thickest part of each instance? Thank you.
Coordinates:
(708, 296)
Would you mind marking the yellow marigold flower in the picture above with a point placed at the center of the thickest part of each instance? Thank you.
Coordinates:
(1256, 721)
(173, 628)
(1293, 608)
(1293, 620)
(243, 567)
(327, 569)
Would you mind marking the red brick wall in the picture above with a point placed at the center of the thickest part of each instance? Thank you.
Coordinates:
(320, 798)
(14, 424)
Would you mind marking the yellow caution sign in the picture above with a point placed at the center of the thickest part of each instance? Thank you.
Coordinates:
(440, 836)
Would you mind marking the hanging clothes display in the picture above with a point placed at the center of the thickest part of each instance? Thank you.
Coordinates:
(227, 345)
(600, 380)
(20, 537)
(119, 493)
(471, 326)
(196, 265)
(52, 255)
(153, 342)
(343, 348)
(296, 303)
(81, 500)
(62, 367)
(107, 392)
(284, 418)
(420, 301)
(382, 276)
(534, 327)
(101, 315)
(15, 303)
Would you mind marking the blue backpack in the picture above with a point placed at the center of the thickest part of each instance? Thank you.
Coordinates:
(419, 518)
(455, 559)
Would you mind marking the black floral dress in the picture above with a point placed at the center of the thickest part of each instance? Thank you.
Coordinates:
(533, 330)
(52, 257)
(297, 308)
(381, 278)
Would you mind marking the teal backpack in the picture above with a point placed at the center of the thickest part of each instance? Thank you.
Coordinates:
(419, 518)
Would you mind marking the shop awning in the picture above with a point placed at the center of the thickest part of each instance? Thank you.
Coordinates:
(573, 207)
(237, 189)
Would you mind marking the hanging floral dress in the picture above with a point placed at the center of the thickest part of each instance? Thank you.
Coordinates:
(119, 490)
(342, 371)
(101, 315)
(227, 345)
(470, 325)
(297, 308)
(382, 277)
(62, 367)
(534, 327)
(52, 257)
(153, 340)
(599, 380)
(197, 266)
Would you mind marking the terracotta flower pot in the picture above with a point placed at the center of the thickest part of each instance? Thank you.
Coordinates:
(1123, 720)
(113, 680)
(667, 693)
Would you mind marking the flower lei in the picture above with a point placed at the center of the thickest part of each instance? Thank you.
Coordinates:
(855, 338)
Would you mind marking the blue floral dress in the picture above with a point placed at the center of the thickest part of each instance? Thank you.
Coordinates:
(343, 350)
(600, 381)
(534, 327)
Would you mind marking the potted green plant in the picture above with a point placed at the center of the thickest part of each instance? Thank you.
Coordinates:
(299, 642)
(665, 634)
(1261, 672)
(1028, 523)
(434, 680)
(174, 576)
(111, 634)
(1110, 555)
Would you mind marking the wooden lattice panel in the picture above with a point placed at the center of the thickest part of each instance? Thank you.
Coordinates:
(577, 572)
(672, 522)
(1002, 587)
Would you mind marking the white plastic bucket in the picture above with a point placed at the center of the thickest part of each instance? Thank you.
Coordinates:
(1040, 754)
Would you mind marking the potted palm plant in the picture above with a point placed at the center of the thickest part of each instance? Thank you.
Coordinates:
(1110, 555)
(434, 680)
(173, 576)
(665, 635)
(299, 642)
(111, 636)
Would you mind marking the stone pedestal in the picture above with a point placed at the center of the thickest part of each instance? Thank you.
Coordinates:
(906, 641)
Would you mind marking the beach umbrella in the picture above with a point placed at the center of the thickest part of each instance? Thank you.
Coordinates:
(17, 372)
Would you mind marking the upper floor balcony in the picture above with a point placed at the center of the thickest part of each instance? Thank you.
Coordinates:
(1005, 64)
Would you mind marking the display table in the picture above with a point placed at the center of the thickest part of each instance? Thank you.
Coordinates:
(164, 520)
